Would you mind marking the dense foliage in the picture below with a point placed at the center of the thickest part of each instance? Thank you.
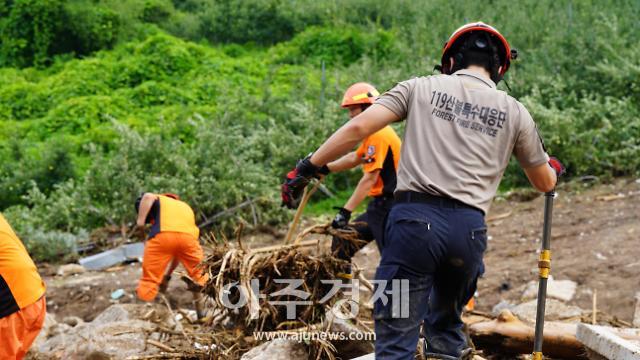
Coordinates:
(215, 100)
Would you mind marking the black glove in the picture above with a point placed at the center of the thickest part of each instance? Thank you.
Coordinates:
(324, 170)
(295, 182)
(342, 218)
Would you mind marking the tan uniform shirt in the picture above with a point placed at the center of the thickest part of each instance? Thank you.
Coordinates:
(460, 134)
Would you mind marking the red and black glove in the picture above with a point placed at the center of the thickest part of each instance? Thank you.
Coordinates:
(295, 182)
(557, 166)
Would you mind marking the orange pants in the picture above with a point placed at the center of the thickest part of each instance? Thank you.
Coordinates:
(159, 251)
(20, 329)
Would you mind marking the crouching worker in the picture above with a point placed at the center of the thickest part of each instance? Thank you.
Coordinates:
(173, 239)
(22, 301)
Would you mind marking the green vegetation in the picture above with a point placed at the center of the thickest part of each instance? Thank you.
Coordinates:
(215, 100)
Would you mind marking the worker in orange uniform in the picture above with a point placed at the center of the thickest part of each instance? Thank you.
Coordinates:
(379, 155)
(22, 301)
(173, 238)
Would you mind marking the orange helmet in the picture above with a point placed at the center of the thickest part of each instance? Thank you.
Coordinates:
(359, 94)
(171, 195)
(506, 54)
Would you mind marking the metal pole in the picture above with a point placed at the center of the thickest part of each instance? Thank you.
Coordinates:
(544, 265)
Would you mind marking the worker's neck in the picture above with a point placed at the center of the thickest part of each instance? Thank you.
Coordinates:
(480, 70)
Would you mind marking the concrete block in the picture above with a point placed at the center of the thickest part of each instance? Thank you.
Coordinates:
(113, 257)
(604, 341)
(133, 251)
(554, 310)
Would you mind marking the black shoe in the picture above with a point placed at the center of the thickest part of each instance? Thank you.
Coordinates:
(466, 354)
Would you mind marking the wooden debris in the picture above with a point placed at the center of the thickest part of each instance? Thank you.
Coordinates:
(160, 345)
(305, 198)
(510, 335)
(610, 197)
(499, 216)
(235, 272)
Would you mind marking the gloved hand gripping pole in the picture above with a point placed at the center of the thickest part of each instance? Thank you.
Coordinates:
(544, 266)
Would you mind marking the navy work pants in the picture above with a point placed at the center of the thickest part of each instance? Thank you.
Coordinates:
(438, 248)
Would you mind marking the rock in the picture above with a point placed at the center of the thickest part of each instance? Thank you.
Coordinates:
(49, 322)
(70, 269)
(279, 349)
(556, 289)
(72, 321)
(554, 310)
(116, 339)
(349, 348)
(502, 305)
(115, 333)
(113, 313)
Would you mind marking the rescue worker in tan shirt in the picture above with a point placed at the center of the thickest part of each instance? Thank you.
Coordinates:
(460, 133)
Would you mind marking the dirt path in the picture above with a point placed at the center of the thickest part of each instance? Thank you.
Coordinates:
(594, 243)
(87, 295)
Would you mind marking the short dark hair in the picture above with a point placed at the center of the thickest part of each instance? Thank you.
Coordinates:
(478, 48)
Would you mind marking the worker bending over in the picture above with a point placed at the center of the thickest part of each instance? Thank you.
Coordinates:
(173, 239)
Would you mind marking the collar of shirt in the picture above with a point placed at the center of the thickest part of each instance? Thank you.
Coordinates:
(477, 77)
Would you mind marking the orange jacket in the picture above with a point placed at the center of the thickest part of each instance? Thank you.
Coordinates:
(20, 283)
(381, 151)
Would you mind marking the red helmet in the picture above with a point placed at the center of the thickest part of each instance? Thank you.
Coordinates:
(506, 54)
(358, 94)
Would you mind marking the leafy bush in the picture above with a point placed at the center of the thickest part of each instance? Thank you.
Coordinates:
(342, 46)
(91, 28)
(29, 32)
(157, 11)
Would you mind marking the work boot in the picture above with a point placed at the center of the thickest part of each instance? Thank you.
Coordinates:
(191, 285)
(466, 354)
(164, 284)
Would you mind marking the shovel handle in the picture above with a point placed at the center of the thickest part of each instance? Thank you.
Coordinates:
(544, 266)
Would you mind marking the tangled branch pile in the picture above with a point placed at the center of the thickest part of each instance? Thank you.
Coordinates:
(254, 287)
(236, 274)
